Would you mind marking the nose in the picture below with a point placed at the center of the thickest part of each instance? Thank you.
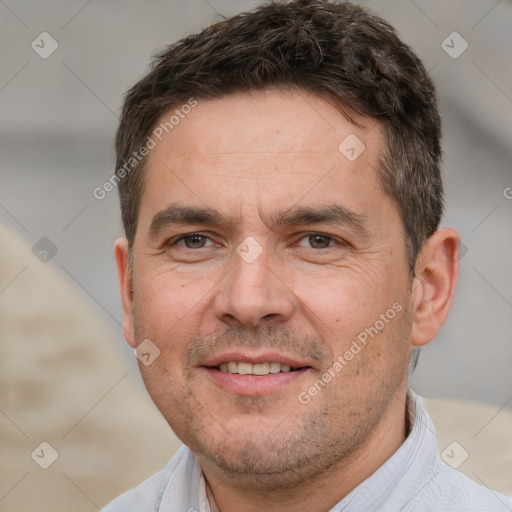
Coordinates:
(254, 292)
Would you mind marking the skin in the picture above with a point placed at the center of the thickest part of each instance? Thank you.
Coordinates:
(250, 157)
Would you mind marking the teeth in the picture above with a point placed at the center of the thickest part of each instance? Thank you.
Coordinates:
(261, 369)
(275, 367)
(243, 368)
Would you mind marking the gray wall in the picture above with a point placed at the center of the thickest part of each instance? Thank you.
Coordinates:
(59, 114)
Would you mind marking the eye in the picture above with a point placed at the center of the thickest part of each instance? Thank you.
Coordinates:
(317, 241)
(192, 241)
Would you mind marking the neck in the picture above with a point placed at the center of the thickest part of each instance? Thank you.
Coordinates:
(323, 491)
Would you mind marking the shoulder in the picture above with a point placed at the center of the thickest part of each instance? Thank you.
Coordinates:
(450, 490)
(144, 497)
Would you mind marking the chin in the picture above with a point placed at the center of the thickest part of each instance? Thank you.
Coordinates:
(264, 466)
(265, 457)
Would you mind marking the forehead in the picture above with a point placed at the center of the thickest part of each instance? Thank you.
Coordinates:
(273, 148)
(269, 121)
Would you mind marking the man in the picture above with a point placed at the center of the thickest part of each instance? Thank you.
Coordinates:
(281, 197)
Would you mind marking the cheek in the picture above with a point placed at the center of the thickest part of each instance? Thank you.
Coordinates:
(168, 312)
(164, 298)
(343, 303)
(355, 317)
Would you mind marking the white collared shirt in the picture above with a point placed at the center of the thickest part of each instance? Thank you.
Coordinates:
(413, 479)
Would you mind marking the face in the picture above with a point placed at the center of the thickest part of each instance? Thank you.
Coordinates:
(270, 271)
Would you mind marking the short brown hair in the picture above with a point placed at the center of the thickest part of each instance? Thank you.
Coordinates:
(336, 50)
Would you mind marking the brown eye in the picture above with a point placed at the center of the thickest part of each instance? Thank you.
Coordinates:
(194, 241)
(319, 241)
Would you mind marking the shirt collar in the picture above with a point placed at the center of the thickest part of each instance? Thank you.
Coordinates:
(393, 486)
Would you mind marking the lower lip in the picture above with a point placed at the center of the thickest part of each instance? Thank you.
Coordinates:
(253, 384)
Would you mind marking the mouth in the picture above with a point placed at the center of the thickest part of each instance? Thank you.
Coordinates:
(244, 374)
(260, 369)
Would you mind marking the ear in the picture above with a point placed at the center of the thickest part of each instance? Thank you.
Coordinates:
(436, 274)
(122, 256)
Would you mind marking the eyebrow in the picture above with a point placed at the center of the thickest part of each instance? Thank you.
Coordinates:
(325, 214)
(176, 215)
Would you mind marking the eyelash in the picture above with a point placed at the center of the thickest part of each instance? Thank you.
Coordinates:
(306, 235)
(188, 235)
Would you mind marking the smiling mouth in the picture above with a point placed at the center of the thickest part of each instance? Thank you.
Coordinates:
(260, 369)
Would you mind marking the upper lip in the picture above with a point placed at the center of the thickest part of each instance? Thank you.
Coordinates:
(255, 358)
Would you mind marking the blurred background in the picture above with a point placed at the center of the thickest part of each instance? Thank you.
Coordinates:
(64, 67)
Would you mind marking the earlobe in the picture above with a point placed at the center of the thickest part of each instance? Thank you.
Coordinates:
(122, 257)
(433, 288)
